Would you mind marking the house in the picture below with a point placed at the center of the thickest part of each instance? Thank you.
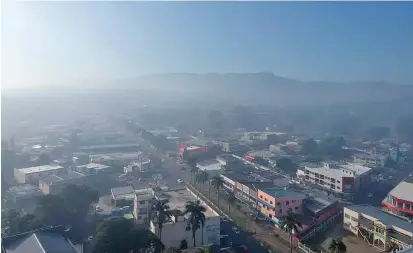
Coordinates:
(142, 205)
(33, 174)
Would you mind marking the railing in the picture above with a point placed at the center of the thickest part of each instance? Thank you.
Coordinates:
(306, 249)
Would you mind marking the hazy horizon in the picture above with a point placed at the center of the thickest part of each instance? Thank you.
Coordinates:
(51, 43)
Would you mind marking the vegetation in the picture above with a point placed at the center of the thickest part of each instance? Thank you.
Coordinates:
(162, 214)
(205, 249)
(217, 182)
(231, 200)
(196, 218)
(337, 246)
(290, 224)
(260, 161)
(119, 235)
(202, 177)
(286, 165)
(70, 207)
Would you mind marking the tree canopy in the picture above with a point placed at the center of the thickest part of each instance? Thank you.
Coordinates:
(119, 235)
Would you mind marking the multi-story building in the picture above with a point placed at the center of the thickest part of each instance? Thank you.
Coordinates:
(142, 205)
(33, 174)
(341, 179)
(115, 159)
(372, 160)
(176, 231)
(111, 148)
(199, 149)
(400, 200)
(378, 228)
(275, 203)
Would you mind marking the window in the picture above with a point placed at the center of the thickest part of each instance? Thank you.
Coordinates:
(139, 217)
(293, 201)
(271, 202)
(338, 181)
(142, 202)
(266, 199)
(278, 204)
(354, 219)
(260, 196)
(287, 203)
(347, 216)
(338, 187)
(281, 211)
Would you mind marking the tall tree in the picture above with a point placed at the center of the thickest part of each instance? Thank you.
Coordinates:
(309, 147)
(196, 218)
(217, 182)
(337, 246)
(13, 222)
(52, 210)
(119, 235)
(290, 224)
(202, 177)
(192, 164)
(78, 200)
(162, 214)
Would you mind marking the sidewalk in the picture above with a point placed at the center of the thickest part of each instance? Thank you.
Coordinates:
(263, 234)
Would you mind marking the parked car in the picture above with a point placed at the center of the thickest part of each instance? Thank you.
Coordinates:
(236, 230)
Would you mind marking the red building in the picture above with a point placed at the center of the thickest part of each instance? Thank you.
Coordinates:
(199, 149)
(400, 200)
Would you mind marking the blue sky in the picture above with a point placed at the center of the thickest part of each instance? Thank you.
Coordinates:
(47, 43)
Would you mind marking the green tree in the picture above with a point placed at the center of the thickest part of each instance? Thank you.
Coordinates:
(78, 200)
(202, 177)
(162, 214)
(286, 164)
(217, 182)
(205, 249)
(309, 147)
(337, 246)
(231, 200)
(13, 222)
(290, 224)
(119, 235)
(196, 218)
(192, 164)
(52, 210)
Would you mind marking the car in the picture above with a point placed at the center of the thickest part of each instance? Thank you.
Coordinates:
(236, 230)
(180, 181)
(90, 238)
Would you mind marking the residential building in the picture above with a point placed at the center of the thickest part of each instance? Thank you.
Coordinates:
(92, 168)
(253, 138)
(123, 196)
(372, 160)
(33, 174)
(142, 205)
(115, 159)
(341, 179)
(54, 184)
(49, 240)
(22, 197)
(378, 228)
(275, 203)
(400, 199)
(176, 230)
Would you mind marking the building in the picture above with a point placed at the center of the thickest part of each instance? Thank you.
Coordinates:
(341, 179)
(177, 231)
(123, 196)
(142, 205)
(54, 184)
(22, 197)
(372, 160)
(400, 200)
(33, 174)
(49, 240)
(115, 159)
(277, 179)
(92, 168)
(212, 167)
(378, 228)
(254, 138)
(199, 149)
(276, 203)
(111, 148)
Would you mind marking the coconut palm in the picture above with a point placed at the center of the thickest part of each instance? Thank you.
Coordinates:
(202, 177)
(162, 214)
(217, 183)
(231, 200)
(191, 163)
(290, 224)
(337, 246)
(196, 218)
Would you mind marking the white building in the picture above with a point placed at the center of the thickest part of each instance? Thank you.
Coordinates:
(212, 167)
(116, 159)
(339, 178)
(176, 230)
(33, 174)
(142, 205)
(373, 160)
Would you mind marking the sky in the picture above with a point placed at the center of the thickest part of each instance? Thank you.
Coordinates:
(61, 43)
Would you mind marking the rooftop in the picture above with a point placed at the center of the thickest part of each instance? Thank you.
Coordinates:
(60, 177)
(124, 145)
(23, 190)
(403, 190)
(209, 165)
(192, 147)
(42, 168)
(385, 218)
(268, 175)
(95, 166)
(370, 156)
(178, 199)
(280, 193)
(126, 192)
(115, 156)
(336, 170)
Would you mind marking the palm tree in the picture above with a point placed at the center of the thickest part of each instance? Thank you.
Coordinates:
(290, 224)
(191, 163)
(162, 214)
(231, 200)
(337, 246)
(217, 182)
(196, 218)
(202, 177)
